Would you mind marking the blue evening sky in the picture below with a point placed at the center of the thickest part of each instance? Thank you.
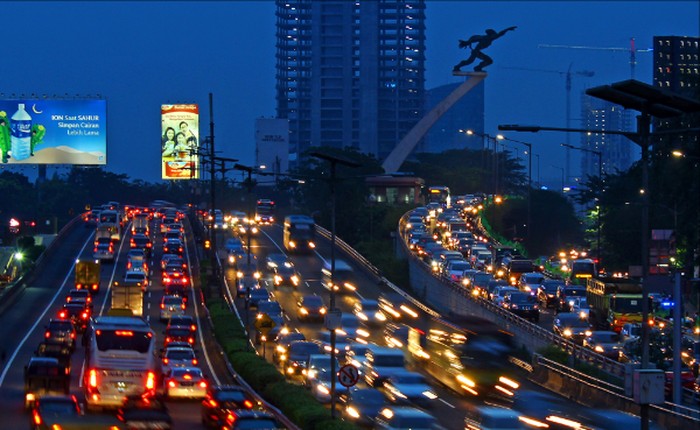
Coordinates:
(139, 55)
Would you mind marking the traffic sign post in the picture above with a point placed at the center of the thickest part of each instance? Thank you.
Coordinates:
(348, 376)
(264, 324)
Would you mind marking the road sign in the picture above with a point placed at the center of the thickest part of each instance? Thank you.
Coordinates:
(332, 320)
(264, 324)
(348, 375)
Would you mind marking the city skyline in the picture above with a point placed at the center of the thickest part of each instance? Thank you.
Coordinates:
(131, 55)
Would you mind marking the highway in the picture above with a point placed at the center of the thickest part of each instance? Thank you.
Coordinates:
(22, 325)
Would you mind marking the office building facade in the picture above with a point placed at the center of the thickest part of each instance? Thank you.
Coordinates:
(616, 150)
(349, 73)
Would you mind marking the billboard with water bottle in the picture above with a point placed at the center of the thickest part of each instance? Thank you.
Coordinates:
(41, 131)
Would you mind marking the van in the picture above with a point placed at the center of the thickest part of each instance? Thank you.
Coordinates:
(343, 278)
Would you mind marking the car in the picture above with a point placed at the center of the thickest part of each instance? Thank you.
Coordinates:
(631, 331)
(407, 387)
(256, 295)
(320, 385)
(173, 246)
(500, 292)
(286, 275)
(523, 304)
(580, 306)
(361, 405)
(606, 343)
(564, 295)
(59, 351)
(282, 342)
(141, 241)
(137, 264)
(570, 326)
(145, 412)
(529, 282)
(405, 417)
(168, 259)
(178, 357)
(342, 343)
(245, 284)
(396, 335)
(247, 419)
(183, 320)
(171, 305)
(310, 307)
(367, 310)
(132, 277)
(49, 412)
(491, 417)
(352, 327)
(397, 307)
(221, 400)
(545, 410)
(316, 364)
(547, 292)
(294, 359)
(78, 312)
(60, 331)
(44, 376)
(173, 234)
(82, 294)
(380, 363)
(175, 276)
(179, 333)
(274, 311)
(186, 382)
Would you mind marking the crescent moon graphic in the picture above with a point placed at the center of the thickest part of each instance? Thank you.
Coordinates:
(36, 111)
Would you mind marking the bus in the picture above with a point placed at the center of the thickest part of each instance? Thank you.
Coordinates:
(110, 220)
(299, 233)
(120, 360)
(439, 194)
(469, 355)
(615, 302)
(581, 270)
(265, 211)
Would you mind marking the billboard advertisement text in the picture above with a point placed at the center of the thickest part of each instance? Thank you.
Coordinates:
(179, 143)
(36, 131)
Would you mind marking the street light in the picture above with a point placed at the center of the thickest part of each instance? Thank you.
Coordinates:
(334, 161)
(599, 154)
(529, 184)
(495, 163)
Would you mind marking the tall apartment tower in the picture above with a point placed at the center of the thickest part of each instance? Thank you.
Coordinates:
(349, 73)
(616, 150)
(677, 63)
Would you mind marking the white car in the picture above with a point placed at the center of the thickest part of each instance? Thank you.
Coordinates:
(499, 294)
(171, 305)
(186, 382)
(174, 357)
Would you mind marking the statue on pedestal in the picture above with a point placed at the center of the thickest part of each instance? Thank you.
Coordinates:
(482, 41)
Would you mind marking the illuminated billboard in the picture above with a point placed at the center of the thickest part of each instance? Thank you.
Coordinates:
(179, 143)
(36, 131)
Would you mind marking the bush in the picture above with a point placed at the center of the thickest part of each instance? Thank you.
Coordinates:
(555, 353)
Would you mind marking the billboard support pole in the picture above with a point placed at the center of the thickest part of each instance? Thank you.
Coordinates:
(212, 171)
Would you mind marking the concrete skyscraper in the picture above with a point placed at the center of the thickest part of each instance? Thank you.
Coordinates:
(350, 73)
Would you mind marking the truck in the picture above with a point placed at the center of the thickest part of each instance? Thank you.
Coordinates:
(614, 302)
(127, 296)
(87, 275)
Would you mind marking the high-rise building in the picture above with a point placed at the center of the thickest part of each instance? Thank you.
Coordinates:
(350, 73)
(616, 150)
(466, 114)
(677, 63)
(272, 145)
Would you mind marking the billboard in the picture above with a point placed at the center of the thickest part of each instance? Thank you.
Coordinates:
(37, 131)
(179, 141)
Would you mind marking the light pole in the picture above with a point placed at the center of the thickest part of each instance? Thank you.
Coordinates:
(494, 139)
(334, 161)
(562, 177)
(539, 183)
(599, 154)
(529, 183)
(249, 170)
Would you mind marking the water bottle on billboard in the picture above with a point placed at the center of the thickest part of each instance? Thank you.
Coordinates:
(21, 130)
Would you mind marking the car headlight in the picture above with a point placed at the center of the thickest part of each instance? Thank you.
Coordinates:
(599, 348)
(568, 333)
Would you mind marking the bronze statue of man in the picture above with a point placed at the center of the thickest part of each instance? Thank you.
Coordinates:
(482, 41)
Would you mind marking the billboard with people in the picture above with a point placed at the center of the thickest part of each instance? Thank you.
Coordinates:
(45, 131)
(179, 143)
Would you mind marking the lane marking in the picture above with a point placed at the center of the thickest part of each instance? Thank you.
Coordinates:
(8, 364)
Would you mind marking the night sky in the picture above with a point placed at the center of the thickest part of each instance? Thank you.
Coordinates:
(139, 55)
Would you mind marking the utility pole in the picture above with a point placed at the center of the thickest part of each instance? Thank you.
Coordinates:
(212, 190)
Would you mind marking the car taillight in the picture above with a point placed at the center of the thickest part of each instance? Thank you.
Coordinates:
(37, 418)
(193, 327)
(151, 381)
(62, 314)
(190, 340)
(167, 339)
(162, 305)
(72, 335)
(213, 403)
(203, 384)
(171, 384)
(166, 360)
(248, 404)
(94, 287)
(47, 334)
(92, 380)
(182, 306)
(194, 361)
(85, 315)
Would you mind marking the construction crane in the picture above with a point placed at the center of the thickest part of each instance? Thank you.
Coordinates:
(568, 74)
(632, 51)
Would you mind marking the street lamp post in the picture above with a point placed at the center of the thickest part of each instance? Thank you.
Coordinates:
(494, 139)
(529, 184)
(562, 177)
(599, 154)
(334, 161)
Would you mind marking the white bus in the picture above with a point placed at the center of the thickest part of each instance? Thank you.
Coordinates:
(120, 360)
